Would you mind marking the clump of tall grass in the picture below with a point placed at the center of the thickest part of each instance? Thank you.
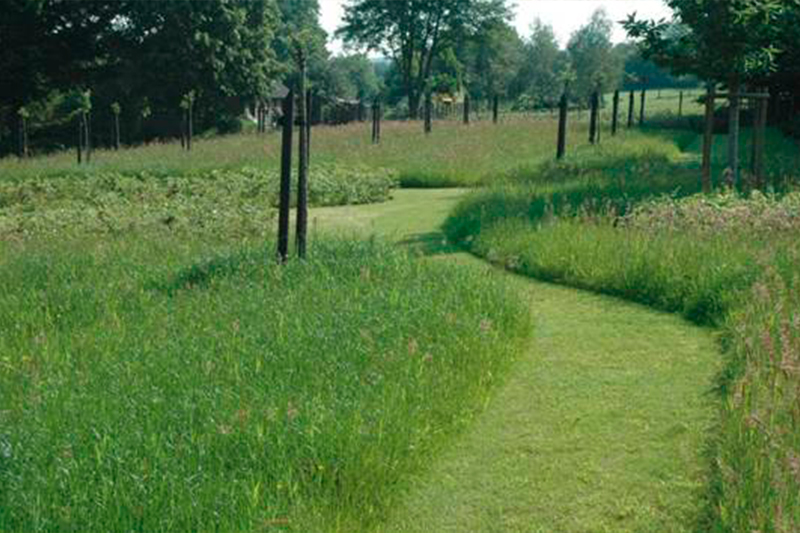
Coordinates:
(233, 394)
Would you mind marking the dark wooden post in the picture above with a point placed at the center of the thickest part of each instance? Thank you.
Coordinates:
(641, 108)
(631, 108)
(759, 140)
(80, 138)
(496, 109)
(376, 122)
(116, 131)
(87, 121)
(680, 104)
(286, 177)
(615, 113)
(190, 130)
(23, 133)
(466, 108)
(595, 107)
(733, 131)
(562, 126)
(428, 113)
(302, 164)
(309, 122)
(183, 127)
(708, 137)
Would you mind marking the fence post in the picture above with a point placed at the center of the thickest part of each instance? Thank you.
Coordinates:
(641, 108)
(286, 177)
(615, 113)
(428, 113)
(631, 108)
(466, 108)
(733, 131)
(80, 139)
(680, 104)
(496, 109)
(302, 164)
(708, 137)
(595, 103)
(562, 126)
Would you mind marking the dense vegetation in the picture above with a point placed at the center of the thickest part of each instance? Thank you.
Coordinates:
(623, 221)
(145, 389)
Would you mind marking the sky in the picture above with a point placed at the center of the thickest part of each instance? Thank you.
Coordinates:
(565, 16)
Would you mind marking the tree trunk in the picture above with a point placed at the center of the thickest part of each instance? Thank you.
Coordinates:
(759, 141)
(116, 132)
(80, 139)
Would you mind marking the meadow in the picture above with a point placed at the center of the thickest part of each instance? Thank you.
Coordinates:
(159, 371)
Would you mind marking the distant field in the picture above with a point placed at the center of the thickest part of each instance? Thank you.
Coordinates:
(452, 155)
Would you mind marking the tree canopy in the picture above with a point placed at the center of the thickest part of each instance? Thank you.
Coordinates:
(413, 32)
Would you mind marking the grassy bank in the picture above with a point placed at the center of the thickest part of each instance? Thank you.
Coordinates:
(725, 260)
(144, 390)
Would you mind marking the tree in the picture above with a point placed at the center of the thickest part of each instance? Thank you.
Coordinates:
(492, 58)
(538, 82)
(413, 32)
(591, 54)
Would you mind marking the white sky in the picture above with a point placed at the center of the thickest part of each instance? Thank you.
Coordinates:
(565, 16)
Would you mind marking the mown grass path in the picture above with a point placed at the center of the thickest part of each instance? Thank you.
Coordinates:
(600, 426)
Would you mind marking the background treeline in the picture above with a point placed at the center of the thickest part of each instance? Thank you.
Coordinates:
(136, 66)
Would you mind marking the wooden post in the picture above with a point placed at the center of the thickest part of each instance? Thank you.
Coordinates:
(733, 132)
(286, 177)
(562, 126)
(595, 106)
(80, 138)
(87, 119)
(496, 109)
(302, 164)
(641, 108)
(183, 128)
(708, 138)
(615, 113)
(190, 129)
(428, 113)
(116, 131)
(759, 141)
(631, 108)
(466, 108)
(23, 136)
(680, 104)
(376, 122)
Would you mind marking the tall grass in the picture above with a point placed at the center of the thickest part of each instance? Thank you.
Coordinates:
(731, 261)
(143, 390)
(452, 155)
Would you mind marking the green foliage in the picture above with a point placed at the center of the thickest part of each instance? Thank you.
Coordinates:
(591, 55)
(539, 82)
(415, 32)
(235, 203)
(142, 388)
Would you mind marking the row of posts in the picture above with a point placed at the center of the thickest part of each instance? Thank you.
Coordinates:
(594, 116)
